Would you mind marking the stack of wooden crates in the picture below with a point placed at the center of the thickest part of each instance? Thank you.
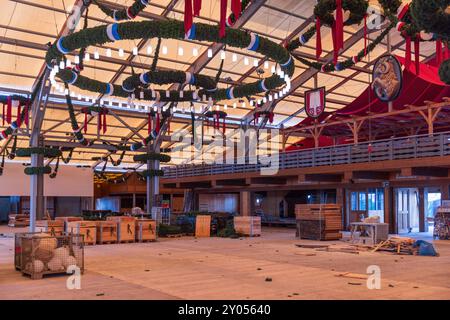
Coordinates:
(318, 221)
(248, 225)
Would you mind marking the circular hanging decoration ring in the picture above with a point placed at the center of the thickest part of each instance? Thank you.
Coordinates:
(47, 152)
(387, 78)
(31, 171)
(170, 29)
(151, 156)
(324, 11)
(163, 77)
(432, 16)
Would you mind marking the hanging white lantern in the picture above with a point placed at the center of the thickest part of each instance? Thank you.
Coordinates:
(135, 51)
(149, 50)
(234, 57)
(266, 65)
(255, 62)
(180, 51)
(246, 61)
(62, 65)
(222, 54)
(108, 53)
(96, 55)
(87, 56)
(76, 59)
(121, 52)
(210, 53)
(195, 52)
(164, 50)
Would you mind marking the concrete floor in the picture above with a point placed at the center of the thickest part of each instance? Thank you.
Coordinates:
(216, 268)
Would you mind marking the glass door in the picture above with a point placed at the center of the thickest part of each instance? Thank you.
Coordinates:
(358, 205)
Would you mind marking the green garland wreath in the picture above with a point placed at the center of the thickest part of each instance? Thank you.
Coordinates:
(30, 171)
(162, 77)
(324, 11)
(47, 152)
(152, 156)
(124, 14)
(171, 29)
(151, 173)
(432, 16)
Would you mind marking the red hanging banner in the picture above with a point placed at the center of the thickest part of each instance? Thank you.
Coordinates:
(9, 110)
(365, 35)
(236, 8)
(26, 115)
(85, 121)
(3, 115)
(105, 126)
(335, 49)
(223, 17)
(197, 7)
(19, 120)
(188, 19)
(157, 126)
(339, 25)
(318, 39)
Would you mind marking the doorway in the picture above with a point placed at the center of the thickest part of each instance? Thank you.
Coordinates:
(432, 202)
(366, 203)
(407, 205)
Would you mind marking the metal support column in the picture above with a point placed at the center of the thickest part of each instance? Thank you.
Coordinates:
(37, 160)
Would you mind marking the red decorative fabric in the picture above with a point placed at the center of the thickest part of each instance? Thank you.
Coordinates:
(27, 113)
(223, 17)
(105, 126)
(9, 109)
(99, 122)
(365, 35)
(157, 125)
(417, 54)
(188, 18)
(85, 121)
(236, 8)
(339, 25)
(335, 49)
(318, 39)
(408, 52)
(438, 52)
(19, 120)
(197, 7)
(3, 115)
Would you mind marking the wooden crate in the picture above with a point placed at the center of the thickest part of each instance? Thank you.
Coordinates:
(106, 232)
(86, 228)
(53, 227)
(319, 221)
(248, 226)
(203, 226)
(126, 228)
(145, 230)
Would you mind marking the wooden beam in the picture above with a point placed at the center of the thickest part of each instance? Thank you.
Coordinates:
(323, 177)
(231, 182)
(371, 175)
(197, 184)
(425, 171)
(268, 180)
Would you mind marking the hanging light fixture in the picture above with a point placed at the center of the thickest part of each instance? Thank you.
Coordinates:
(96, 55)
(194, 52)
(234, 105)
(246, 61)
(210, 53)
(234, 57)
(164, 49)
(266, 65)
(108, 53)
(222, 54)
(87, 56)
(135, 51)
(255, 62)
(149, 50)
(76, 59)
(121, 52)
(62, 65)
(180, 51)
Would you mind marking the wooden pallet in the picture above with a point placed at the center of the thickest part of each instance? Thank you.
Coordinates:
(318, 221)
(203, 226)
(86, 228)
(248, 226)
(106, 232)
(126, 228)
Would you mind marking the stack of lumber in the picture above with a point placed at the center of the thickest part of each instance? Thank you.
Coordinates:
(86, 228)
(126, 228)
(397, 245)
(318, 221)
(203, 226)
(106, 232)
(442, 224)
(145, 230)
(18, 220)
(54, 227)
(248, 226)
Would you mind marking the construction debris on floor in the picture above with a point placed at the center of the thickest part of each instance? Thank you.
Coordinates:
(395, 245)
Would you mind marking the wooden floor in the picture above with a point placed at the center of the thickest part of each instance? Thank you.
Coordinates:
(215, 268)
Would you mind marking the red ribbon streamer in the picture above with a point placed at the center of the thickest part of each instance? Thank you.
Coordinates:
(438, 52)
(149, 123)
(19, 120)
(26, 113)
(105, 126)
(197, 7)
(417, 54)
(157, 126)
(188, 19)
(236, 8)
(3, 115)
(318, 39)
(223, 17)
(408, 52)
(339, 25)
(8, 109)
(271, 117)
(333, 36)
(223, 125)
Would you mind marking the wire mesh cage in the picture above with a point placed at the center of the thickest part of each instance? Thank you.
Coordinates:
(40, 253)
